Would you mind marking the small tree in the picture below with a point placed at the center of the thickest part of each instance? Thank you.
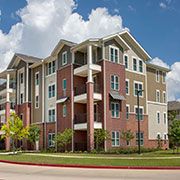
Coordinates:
(174, 133)
(34, 135)
(127, 136)
(64, 138)
(14, 129)
(100, 135)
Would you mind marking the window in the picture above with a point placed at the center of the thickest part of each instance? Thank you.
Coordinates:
(37, 102)
(126, 61)
(157, 96)
(140, 113)
(164, 97)
(51, 137)
(51, 67)
(115, 138)
(64, 84)
(140, 66)
(21, 78)
(141, 138)
(51, 91)
(64, 110)
(138, 86)
(64, 58)
(134, 64)
(163, 77)
(127, 86)
(114, 110)
(51, 115)
(114, 82)
(165, 118)
(158, 117)
(127, 112)
(165, 138)
(37, 79)
(158, 136)
(21, 98)
(114, 54)
(157, 76)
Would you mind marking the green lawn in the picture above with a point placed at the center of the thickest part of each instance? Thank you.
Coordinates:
(91, 161)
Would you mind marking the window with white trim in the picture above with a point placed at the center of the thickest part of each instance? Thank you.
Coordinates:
(36, 102)
(163, 77)
(126, 61)
(141, 138)
(140, 66)
(158, 117)
(51, 139)
(115, 82)
(164, 97)
(115, 138)
(64, 58)
(21, 98)
(127, 112)
(51, 67)
(140, 113)
(114, 54)
(134, 64)
(165, 117)
(157, 76)
(158, 136)
(127, 86)
(51, 91)
(64, 110)
(21, 78)
(157, 96)
(37, 79)
(51, 115)
(64, 86)
(138, 86)
(115, 107)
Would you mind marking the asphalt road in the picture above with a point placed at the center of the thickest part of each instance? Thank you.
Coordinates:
(18, 172)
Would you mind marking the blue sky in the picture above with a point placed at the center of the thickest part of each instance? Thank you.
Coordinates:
(154, 23)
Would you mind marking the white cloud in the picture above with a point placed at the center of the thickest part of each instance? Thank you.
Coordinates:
(162, 5)
(44, 22)
(173, 80)
(116, 10)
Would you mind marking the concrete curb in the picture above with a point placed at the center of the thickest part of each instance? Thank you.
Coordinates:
(94, 166)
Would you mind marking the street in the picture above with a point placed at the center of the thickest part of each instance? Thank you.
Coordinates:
(18, 172)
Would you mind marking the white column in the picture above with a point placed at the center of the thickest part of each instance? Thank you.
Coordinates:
(89, 62)
(73, 57)
(43, 89)
(27, 85)
(7, 87)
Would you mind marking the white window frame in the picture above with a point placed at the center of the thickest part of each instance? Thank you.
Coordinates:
(36, 102)
(125, 55)
(158, 120)
(137, 138)
(52, 141)
(165, 118)
(37, 80)
(64, 58)
(158, 92)
(114, 48)
(115, 116)
(163, 78)
(157, 76)
(127, 80)
(21, 73)
(114, 82)
(50, 70)
(164, 97)
(127, 106)
(21, 102)
(138, 82)
(64, 110)
(51, 90)
(50, 119)
(115, 138)
(140, 107)
(139, 66)
(136, 64)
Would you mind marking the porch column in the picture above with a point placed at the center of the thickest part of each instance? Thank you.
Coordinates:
(7, 111)
(90, 103)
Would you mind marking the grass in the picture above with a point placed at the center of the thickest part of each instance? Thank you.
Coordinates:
(95, 161)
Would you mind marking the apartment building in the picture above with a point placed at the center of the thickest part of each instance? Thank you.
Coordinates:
(92, 85)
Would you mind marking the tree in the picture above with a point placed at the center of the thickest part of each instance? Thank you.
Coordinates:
(127, 136)
(174, 133)
(100, 135)
(34, 135)
(14, 129)
(64, 138)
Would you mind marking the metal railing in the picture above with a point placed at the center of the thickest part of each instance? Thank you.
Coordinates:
(82, 118)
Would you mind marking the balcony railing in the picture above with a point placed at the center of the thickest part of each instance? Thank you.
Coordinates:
(12, 85)
(82, 118)
(82, 89)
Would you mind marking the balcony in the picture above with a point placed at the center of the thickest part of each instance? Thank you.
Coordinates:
(83, 70)
(3, 88)
(80, 94)
(80, 121)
